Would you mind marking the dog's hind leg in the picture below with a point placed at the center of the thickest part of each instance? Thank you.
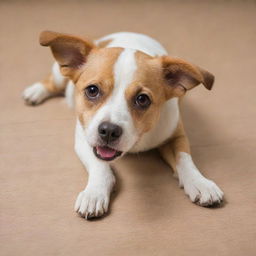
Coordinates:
(53, 85)
(176, 153)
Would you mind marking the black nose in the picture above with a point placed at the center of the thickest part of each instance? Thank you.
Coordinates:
(109, 132)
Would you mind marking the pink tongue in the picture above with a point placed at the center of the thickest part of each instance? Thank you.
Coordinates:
(106, 152)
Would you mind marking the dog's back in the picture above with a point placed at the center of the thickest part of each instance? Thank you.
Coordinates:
(135, 41)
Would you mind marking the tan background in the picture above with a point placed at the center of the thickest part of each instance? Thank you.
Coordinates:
(41, 175)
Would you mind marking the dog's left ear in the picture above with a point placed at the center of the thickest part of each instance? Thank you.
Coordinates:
(69, 51)
(180, 76)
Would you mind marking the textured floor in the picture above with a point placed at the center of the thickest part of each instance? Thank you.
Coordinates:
(41, 175)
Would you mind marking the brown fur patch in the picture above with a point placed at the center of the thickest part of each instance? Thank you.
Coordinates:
(50, 85)
(98, 70)
(150, 78)
(178, 143)
(146, 80)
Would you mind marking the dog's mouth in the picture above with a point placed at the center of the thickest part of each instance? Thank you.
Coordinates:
(106, 153)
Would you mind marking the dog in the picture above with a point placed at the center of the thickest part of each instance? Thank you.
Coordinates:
(126, 91)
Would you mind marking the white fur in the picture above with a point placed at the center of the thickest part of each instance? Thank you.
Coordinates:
(116, 110)
(93, 201)
(135, 41)
(58, 78)
(35, 93)
(196, 186)
(70, 94)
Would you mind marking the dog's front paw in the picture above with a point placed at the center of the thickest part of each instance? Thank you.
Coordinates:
(203, 191)
(92, 203)
(35, 94)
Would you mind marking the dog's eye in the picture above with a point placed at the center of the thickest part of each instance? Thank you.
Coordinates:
(92, 91)
(143, 101)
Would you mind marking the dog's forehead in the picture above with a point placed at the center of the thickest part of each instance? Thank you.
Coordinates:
(99, 65)
(135, 70)
(120, 70)
(125, 68)
(104, 63)
(132, 65)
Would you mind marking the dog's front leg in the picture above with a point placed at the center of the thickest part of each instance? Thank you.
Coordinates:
(199, 189)
(93, 201)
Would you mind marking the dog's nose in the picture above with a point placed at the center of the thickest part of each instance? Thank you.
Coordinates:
(109, 132)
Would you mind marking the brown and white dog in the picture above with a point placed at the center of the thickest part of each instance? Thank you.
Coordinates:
(126, 92)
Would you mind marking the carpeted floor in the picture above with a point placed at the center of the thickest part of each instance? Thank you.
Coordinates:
(41, 175)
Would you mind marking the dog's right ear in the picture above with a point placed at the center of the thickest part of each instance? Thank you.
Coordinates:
(69, 51)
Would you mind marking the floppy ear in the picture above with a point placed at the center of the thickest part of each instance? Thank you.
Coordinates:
(180, 76)
(69, 51)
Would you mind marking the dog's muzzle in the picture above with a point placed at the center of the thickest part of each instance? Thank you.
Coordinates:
(109, 134)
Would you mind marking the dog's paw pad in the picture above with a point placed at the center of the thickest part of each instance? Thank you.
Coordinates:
(35, 94)
(203, 192)
(91, 203)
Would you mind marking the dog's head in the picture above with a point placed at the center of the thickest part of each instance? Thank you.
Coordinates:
(119, 92)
